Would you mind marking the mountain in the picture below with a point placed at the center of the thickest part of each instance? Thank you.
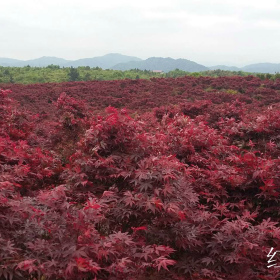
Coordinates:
(45, 61)
(124, 62)
(160, 63)
(271, 68)
(106, 61)
(10, 62)
(225, 68)
(38, 62)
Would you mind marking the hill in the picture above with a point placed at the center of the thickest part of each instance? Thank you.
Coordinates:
(10, 62)
(105, 62)
(164, 64)
(224, 68)
(45, 61)
(122, 62)
(271, 68)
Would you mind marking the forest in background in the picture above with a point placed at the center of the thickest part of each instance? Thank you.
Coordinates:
(56, 74)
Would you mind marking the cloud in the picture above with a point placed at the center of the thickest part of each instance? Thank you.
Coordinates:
(210, 32)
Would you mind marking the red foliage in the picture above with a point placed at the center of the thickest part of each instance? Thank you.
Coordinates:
(188, 191)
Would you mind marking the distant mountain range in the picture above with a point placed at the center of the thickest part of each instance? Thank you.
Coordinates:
(271, 68)
(225, 68)
(123, 62)
(106, 62)
(164, 64)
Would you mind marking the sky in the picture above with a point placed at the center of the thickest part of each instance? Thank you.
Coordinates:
(210, 32)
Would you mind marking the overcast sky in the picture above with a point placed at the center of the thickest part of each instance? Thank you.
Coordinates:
(211, 32)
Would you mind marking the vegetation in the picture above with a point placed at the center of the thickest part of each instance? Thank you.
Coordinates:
(73, 75)
(56, 74)
(183, 184)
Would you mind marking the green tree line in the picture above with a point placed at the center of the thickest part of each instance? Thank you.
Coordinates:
(54, 73)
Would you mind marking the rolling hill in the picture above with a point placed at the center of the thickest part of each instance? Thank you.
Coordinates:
(271, 68)
(225, 68)
(164, 64)
(105, 62)
(122, 62)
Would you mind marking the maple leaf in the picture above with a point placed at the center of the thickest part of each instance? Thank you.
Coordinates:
(157, 202)
(181, 215)
(27, 265)
(135, 229)
(208, 260)
(163, 262)
(91, 204)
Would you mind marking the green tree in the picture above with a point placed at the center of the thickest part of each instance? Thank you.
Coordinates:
(52, 66)
(6, 72)
(73, 74)
(277, 75)
(261, 76)
(87, 77)
(12, 81)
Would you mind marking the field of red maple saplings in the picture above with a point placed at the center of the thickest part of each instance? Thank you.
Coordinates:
(140, 179)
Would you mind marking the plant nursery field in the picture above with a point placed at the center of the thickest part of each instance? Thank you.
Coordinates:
(166, 178)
